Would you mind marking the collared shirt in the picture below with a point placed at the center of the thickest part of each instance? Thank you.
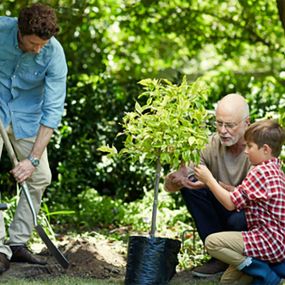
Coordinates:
(262, 195)
(32, 86)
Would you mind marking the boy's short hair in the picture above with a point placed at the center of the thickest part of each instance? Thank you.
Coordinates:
(266, 132)
(39, 20)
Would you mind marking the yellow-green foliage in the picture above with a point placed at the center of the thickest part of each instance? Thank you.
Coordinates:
(171, 125)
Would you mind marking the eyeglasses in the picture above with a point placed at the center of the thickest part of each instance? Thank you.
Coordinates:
(228, 126)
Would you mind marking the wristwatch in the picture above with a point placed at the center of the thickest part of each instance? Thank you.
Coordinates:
(34, 160)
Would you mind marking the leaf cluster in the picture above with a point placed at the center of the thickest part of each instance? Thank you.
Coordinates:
(171, 125)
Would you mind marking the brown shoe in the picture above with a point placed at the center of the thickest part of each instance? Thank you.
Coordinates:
(211, 268)
(22, 254)
(4, 263)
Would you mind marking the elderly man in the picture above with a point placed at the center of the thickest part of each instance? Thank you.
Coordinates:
(32, 92)
(224, 156)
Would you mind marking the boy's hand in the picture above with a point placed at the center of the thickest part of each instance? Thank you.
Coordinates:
(202, 173)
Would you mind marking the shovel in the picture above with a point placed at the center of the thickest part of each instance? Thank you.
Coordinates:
(51, 247)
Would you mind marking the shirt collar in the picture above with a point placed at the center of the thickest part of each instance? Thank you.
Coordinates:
(273, 160)
(43, 56)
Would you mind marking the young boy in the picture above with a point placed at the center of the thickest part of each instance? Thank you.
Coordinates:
(260, 251)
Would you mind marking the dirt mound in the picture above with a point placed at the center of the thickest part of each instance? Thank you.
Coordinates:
(88, 257)
(95, 258)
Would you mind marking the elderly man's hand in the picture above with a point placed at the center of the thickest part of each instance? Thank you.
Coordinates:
(195, 185)
(179, 179)
(174, 181)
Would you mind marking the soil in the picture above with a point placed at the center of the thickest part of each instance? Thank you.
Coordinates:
(90, 257)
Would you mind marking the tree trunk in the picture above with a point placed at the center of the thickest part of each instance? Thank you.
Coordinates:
(155, 200)
(281, 10)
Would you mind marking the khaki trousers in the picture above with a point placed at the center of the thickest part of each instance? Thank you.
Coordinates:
(229, 247)
(22, 225)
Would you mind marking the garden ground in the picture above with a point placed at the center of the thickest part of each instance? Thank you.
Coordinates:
(89, 257)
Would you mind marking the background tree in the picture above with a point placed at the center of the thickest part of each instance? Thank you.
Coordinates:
(236, 46)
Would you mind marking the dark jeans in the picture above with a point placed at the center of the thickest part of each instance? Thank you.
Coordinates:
(209, 215)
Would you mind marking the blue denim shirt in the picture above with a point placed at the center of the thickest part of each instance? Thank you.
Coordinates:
(32, 86)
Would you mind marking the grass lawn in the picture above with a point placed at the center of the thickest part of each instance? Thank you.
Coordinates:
(67, 280)
(60, 281)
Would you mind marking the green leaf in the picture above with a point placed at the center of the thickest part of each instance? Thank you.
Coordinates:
(111, 150)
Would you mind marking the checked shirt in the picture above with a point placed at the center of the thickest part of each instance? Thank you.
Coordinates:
(262, 196)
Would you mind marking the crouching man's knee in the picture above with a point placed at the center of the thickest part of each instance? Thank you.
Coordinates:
(210, 242)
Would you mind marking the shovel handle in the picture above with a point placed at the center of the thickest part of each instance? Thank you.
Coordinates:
(52, 248)
(8, 145)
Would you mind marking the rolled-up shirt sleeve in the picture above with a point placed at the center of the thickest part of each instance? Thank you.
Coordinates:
(54, 90)
(238, 198)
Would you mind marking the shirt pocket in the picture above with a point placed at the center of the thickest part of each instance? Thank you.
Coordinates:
(32, 74)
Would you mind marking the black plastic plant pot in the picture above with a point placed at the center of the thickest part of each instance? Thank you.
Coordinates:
(151, 260)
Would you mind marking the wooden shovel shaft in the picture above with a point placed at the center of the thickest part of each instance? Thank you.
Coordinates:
(8, 145)
(52, 248)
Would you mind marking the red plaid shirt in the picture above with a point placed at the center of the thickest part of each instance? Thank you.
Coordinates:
(262, 195)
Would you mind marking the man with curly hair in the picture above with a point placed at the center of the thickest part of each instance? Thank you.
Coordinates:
(32, 92)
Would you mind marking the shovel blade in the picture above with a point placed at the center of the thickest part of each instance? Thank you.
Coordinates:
(52, 248)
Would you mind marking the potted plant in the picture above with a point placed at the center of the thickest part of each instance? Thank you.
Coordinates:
(169, 129)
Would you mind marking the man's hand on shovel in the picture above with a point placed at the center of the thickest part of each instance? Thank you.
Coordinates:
(23, 170)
